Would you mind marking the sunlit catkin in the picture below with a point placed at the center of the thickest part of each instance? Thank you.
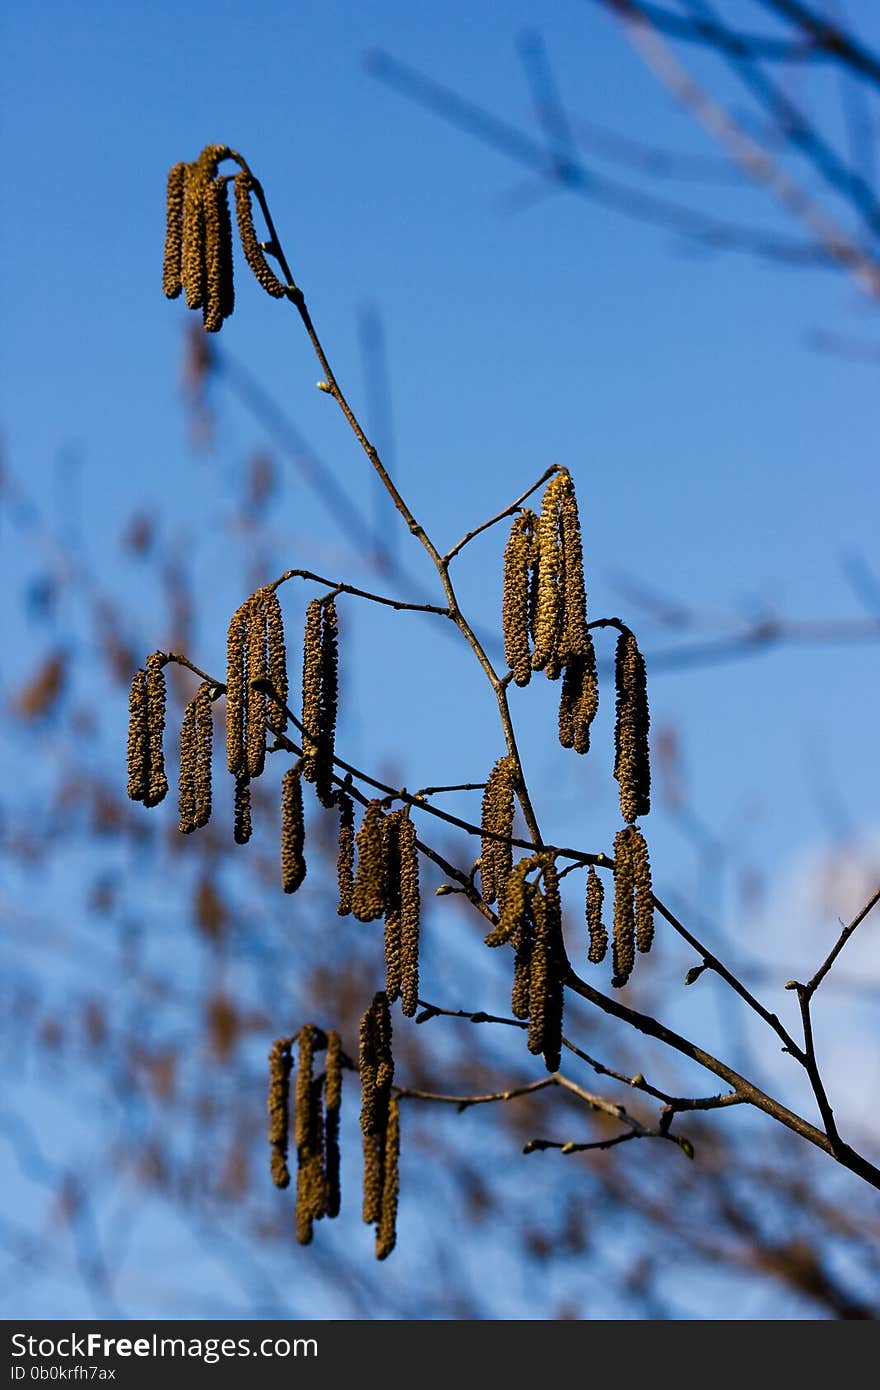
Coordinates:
(410, 907)
(497, 820)
(302, 1115)
(219, 295)
(345, 854)
(186, 801)
(391, 858)
(202, 772)
(549, 605)
(155, 694)
(595, 925)
(386, 1231)
(539, 972)
(644, 905)
(293, 833)
(623, 950)
(311, 690)
(632, 766)
(242, 824)
(515, 603)
(172, 270)
(236, 695)
(515, 904)
(368, 893)
(138, 739)
(332, 1103)
(193, 250)
(279, 1110)
(276, 712)
(573, 638)
(329, 704)
(579, 699)
(255, 684)
(253, 253)
(367, 1066)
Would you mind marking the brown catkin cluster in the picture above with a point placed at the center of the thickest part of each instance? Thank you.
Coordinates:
(256, 682)
(198, 237)
(520, 577)
(560, 630)
(345, 854)
(402, 910)
(623, 952)
(595, 925)
(579, 699)
(368, 892)
(497, 819)
(380, 1125)
(253, 253)
(279, 1110)
(293, 832)
(146, 724)
(320, 696)
(632, 766)
(196, 741)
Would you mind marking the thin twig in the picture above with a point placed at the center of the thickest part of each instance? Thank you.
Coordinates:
(508, 511)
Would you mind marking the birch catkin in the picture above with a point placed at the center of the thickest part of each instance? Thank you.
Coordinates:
(549, 597)
(138, 739)
(276, 715)
(386, 1231)
(204, 737)
(391, 861)
(186, 802)
(632, 766)
(579, 699)
(257, 666)
(155, 701)
(332, 1103)
(236, 707)
(410, 909)
(573, 637)
(644, 902)
(345, 854)
(172, 282)
(311, 689)
(497, 820)
(623, 951)
(518, 564)
(242, 825)
(368, 893)
(595, 925)
(279, 1110)
(253, 254)
(193, 249)
(329, 704)
(293, 864)
(218, 293)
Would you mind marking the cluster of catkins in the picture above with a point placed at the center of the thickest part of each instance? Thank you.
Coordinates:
(317, 1100)
(545, 628)
(198, 236)
(385, 884)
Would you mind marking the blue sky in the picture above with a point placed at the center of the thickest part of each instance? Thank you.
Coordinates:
(717, 456)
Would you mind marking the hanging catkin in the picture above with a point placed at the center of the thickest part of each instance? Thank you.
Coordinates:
(384, 1056)
(386, 1230)
(367, 1071)
(539, 970)
(218, 294)
(632, 766)
(574, 638)
(279, 1110)
(546, 975)
(644, 905)
(155, 699)
(391, 860)
(257, 669)
(345, 854)
(410, 908)
(186, 801)
(368, 893)
(523, 939)
(253, 254)
(236, 705)
(311, 689)
(623, 952)
(518, 558)
(276, 715)
(515, 903)
(172, 282)
(242, 825)
(193, 250)
(293, 864)
(202, 773)
(549, 605)
(497, 819)
(332, 1103)
(579, 699)
(138, 739)
(329, 704)
(595, 925)
(304, 1129)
